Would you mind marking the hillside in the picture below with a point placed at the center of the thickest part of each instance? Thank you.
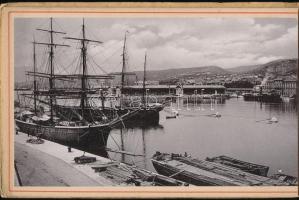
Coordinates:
(242, 69)
(180, 72)
(279, 67)
(283, 67)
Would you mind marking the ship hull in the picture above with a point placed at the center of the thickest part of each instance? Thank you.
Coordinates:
(72, 136)
(147, 116)
(267, 98)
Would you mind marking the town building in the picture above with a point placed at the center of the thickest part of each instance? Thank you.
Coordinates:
(284, 87)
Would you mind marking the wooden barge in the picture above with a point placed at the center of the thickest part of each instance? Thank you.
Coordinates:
(206, 173)
(252, 168)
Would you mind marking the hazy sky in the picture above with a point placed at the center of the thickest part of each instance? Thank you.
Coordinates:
(169, 42)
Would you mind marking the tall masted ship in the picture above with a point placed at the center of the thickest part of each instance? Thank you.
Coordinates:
(78, 125)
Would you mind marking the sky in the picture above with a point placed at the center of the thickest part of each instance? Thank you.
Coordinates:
(180, 42)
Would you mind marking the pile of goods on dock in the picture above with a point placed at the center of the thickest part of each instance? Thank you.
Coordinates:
(123, 174)
(35, 141)
(84, 159)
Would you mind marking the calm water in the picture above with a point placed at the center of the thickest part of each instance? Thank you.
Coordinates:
(242, 132)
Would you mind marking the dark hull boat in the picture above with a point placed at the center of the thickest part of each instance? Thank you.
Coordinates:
(244, 166)
(251, 97)
(147, 113)
(146, 116)
(271, 98)
(265, 97)
(205, 173)
(138, 115)
(77, 135)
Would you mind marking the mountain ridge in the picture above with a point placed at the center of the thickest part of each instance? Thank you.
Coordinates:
(280, 65)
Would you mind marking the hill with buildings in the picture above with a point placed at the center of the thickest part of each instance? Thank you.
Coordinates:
(284, 68)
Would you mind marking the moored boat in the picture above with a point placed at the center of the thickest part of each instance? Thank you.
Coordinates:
(205, 173)
(78, 126)
(264, 97)
(251, 97)
(252, 168)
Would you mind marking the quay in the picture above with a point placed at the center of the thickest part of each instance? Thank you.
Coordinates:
(52, 164)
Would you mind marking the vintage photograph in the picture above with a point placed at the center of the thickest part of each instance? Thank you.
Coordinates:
(155, 101)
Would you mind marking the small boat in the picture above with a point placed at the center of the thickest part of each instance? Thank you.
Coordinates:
(171, 117)
(206, 173)
(217, 115)
(174, 113)
(273, 120)
(242, 165)
(234, 95)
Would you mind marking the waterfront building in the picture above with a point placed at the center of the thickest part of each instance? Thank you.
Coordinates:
(147, 82)
(174, 89)
(284, 87)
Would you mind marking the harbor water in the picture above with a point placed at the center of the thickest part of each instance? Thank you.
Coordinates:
(243, 132)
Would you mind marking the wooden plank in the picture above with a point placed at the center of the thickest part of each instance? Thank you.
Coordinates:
(123, 152)
(104, 165)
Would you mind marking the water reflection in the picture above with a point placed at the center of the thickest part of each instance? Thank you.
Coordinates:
(131, 144)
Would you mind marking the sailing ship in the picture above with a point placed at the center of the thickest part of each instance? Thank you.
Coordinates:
(142, 114)
(79, 125)
(148, 114)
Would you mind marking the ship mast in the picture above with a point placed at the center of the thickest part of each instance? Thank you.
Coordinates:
(144, 80)
(124, 64)
(34, 77)
(83, 79)
(51, 57)
(84, 91)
